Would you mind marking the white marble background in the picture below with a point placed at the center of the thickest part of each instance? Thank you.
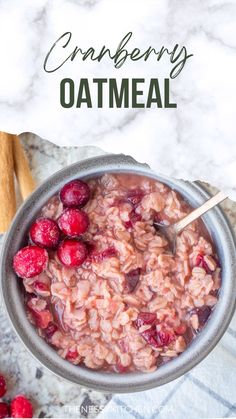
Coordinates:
(196, 140)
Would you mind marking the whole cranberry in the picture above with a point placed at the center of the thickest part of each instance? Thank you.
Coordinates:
(3, 386)
(73, 222)
(30, 261)
(21, 407)
(75, 193)
(72, 253)
(45, 232)
(4, 410)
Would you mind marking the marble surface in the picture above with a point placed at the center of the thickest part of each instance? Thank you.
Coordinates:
(194, 141)
(52, 396)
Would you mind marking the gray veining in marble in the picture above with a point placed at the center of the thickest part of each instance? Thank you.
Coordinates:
(182, 142)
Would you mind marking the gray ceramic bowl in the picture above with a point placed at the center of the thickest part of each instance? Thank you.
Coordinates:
(222, 236)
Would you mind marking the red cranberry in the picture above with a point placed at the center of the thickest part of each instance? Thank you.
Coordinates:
(164, 337)
(41, 287)
(4, 410)
(120, 368)
(157, 338)
(150, 336)
(100, 256)
(30, 261)
(50, 330)
(145, 318)
(72, 253)
(71, 355)
(3, 386)
(135, 196)
(132, 279)
(157, 217)
(75, 194)
(181, 329)
(42, 318)
(73, 222)
(133, 218)
(21, 407)
(201, 262)
(45, 233)
(203, 314)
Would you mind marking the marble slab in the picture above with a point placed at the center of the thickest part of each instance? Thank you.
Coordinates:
(194, 141)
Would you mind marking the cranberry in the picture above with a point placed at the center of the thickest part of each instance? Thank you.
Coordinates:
(75, 194)
(133, 218)
(201, 262)
(150, 336)
(41, 287)
(181, 329)
(120, 368)
(203, 314)
(135, 196)
(72, 355)
(145, 318)
(164, 337)
(45, 233)
(72, 253)
(154, 337)
(42, 318)
(100, 256)
(4, 410)
(132, 279)
(30, 261)
(73, 222)
(158, 217)
(21, 407)
(3, 386)
(50, 330)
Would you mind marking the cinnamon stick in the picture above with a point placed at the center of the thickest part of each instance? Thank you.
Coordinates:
(22, 170)
(7, 188)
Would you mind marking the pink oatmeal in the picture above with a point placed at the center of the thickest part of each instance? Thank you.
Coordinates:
(131, 305)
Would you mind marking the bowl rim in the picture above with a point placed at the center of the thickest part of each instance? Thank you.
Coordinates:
(202, 345)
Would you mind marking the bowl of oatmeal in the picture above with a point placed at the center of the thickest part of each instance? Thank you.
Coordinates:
(92, 288)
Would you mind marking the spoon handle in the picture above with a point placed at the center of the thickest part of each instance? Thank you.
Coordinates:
(212, 202)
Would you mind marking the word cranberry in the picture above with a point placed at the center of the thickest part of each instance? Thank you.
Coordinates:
(21, 407)
(30, 261)
(44, 232)
(73, 222)
(75, 194)
(72, 253)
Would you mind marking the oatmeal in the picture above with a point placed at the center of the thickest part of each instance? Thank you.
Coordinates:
(100, 283)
